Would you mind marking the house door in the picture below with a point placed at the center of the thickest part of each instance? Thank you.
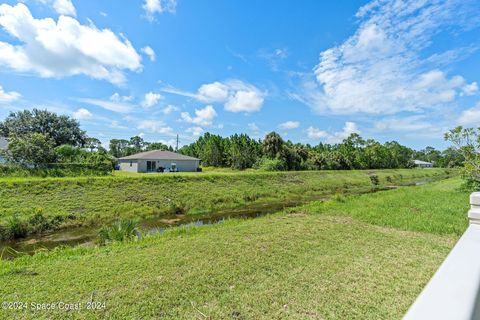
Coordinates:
(151, 166)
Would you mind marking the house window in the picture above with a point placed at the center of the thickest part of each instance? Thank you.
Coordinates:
(131, 163)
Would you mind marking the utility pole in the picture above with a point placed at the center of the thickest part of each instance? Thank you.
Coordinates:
(176, 149)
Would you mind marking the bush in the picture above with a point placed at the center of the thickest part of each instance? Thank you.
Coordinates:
(266, 164)
(375, 180)
(176, 208)
(57, 170)
(16, 228)
(124, 230)
(38, 223)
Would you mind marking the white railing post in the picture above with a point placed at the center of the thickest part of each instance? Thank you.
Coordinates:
(453, 291)
(474, 212)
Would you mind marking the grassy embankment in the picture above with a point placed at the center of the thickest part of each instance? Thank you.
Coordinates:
(51, 203)
(359, 257)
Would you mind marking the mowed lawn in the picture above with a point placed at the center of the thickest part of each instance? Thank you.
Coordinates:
(353, 258)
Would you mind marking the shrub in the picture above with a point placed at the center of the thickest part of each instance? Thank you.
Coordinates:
(175, 208)
(124, 230)
(339, 198)
(266, 164)
(375, 180)
(16, 228)
(58, 170)
(38, 223)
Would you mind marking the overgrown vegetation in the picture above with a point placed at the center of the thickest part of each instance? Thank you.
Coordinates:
(41, 143)
(123, 230)
(364, 257)
(274, 154)
(467, 143)
(94, 200)
(58, 170)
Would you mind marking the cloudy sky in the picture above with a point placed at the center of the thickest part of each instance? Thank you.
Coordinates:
(314, 71)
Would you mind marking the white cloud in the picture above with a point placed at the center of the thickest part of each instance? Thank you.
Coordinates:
(213, 92)
(203, 117)
(195, 131)
(236, 95)
(274, 58)
(470, 117)
(116, 125)
(153, 7)
(245, 101)
(253, 127)
(170, 109)
(82, 114)
(406, 124)
(64, 7)
(155, 126)
(6, 97)
(149, 52)
(65, 47)
(470, 89)
(289, 125)
(119, 98)
(336, 137)
(316, 134)
(383, 68)
(116, 103)
(151, 99)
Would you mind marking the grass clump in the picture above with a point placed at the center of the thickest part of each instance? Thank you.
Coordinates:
(375, 180)
(124, 230)
(15, 228)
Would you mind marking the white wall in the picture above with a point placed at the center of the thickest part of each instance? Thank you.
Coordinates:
(182, 165)
(128, 165)
(141, 165)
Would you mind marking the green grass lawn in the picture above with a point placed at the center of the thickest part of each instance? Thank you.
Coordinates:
(96, 200)
(352, 258)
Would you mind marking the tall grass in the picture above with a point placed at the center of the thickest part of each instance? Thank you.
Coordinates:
(71, 202)
(123, 230)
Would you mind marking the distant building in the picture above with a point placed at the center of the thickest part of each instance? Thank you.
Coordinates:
(158, 161)
(423, 164)
(3, 146)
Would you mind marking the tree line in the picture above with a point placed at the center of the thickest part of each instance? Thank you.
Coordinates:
(40, 138)
(239, 151)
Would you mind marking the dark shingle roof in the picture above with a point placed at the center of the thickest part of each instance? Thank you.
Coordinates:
(158, 155)
(3, 143)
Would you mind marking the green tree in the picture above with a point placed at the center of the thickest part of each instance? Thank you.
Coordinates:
(137, 144)
(59, 130)
(272, 145)
(92, 144)
(242, 152)
(68, 153)
(158, 146)
(467, 142)
(119, 148)
(451, 158)
(31, 149)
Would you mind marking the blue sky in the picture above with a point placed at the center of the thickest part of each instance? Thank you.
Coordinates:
(314, 71)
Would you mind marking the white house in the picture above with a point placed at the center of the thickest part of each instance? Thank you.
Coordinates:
(158, 161)
(3, 146)
(423, 164)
